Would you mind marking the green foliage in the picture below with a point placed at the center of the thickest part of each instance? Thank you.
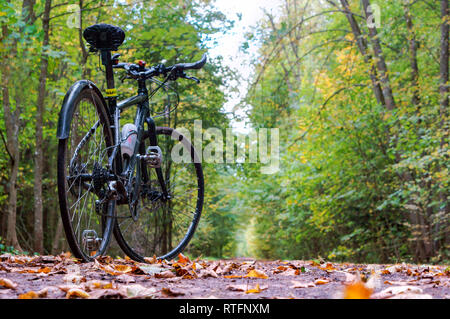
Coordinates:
(357, 182)
(354, 175)
(4, 249)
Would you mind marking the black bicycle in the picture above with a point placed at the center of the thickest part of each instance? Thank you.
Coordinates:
(124, 180)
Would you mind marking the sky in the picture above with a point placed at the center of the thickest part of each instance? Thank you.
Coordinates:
(229, 44)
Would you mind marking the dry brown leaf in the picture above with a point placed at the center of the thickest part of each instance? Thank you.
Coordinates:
(328, 267)
(205, 273)
(138, 291)
(125, 278)
(254, 273)
(298, 284)
(123, 268)
(165, 274)
(291, 272)
(168, 292)
(182, 259)
(321, 281)
(393, 291)
(77, 293)
(28, 295)
(151, 260)
(237, 287)
(107, 294)
(74, 278)
(5, 282)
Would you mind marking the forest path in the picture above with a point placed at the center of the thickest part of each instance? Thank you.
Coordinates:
(61, 277)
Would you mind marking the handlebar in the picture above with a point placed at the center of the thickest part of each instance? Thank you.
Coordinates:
(175, 71)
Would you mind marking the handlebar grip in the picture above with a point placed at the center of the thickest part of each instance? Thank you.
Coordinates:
(195, 65)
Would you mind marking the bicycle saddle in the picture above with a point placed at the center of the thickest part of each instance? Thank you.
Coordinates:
(104, 36)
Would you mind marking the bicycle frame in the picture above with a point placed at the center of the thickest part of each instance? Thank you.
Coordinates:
(142, 116)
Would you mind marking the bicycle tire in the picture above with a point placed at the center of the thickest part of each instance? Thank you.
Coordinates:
(88, 106)
(138, 248)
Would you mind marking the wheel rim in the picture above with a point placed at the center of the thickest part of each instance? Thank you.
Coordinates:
(87, 145)
(164, 226)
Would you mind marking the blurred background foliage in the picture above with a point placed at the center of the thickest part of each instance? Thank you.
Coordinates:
(362, 178)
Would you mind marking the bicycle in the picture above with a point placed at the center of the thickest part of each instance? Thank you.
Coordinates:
(122, 182)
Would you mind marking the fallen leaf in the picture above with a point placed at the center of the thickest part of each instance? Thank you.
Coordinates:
(321, 281)
(357, 290)
(74, 278)
(397, 290)
(76, 293)
(328, 267)
(254, 273)
(171, 293)
(29, 295)
(151, 269)
(298, 284)
(66, 288)
(125, 278)
(123, 268)
(237, 287)
(257, 289)
(97, 284)
(138, 291)
(232, 276)
(205, 273)
(108, 294)
(151, 260)
(182, 259)
(412, 296)
(165, 274)
(4, 282)
(291, 272)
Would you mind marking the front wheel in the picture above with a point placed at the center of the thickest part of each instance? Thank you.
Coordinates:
(162, 224)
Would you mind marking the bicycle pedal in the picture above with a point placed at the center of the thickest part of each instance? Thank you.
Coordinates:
(153, 156)
(90, 240)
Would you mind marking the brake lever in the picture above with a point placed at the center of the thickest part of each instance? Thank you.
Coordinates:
(193, 78)
(125, 77)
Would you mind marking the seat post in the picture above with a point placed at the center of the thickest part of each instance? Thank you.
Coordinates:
(111, 92)
(106, 61)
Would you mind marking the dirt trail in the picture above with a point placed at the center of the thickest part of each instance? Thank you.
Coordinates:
(60, 277)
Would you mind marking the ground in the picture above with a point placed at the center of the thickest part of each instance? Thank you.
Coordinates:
(62, 276)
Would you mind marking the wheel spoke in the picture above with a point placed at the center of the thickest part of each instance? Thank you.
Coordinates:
(164, 224)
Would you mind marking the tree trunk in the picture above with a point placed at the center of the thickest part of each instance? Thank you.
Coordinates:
(12, 134)
(381, 64)
(363, 48)
(443, 110)
(38, 159)
(412, 56)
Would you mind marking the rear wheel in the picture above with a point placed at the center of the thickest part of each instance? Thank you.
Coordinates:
(87, 221)
(163, 226)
